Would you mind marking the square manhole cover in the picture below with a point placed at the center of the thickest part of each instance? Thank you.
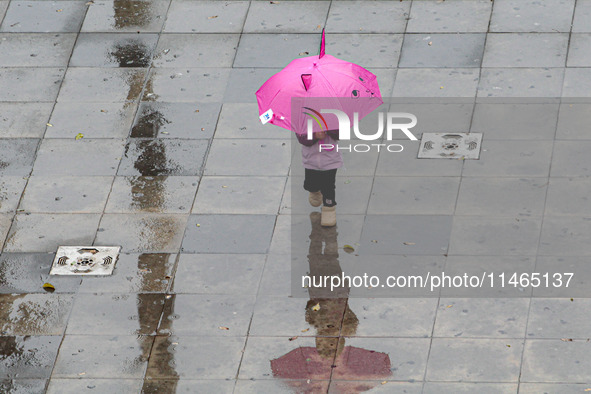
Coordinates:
(85, 260)
(450, 146)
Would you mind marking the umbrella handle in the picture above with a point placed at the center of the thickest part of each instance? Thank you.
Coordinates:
(321, 46)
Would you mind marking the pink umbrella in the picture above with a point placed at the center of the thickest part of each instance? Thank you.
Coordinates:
(339, 85)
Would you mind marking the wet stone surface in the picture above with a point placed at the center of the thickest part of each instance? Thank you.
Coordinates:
(175, 120)
(110, 50)
(153, 157)
(27, 356)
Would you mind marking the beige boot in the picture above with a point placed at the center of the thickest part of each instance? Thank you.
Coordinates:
(315, 199)
(329, 216)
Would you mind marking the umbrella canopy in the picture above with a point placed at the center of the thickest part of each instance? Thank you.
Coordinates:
(352, 364)
(339, 84)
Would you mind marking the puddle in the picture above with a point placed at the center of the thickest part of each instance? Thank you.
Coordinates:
(148, 193)
(151, 157)
(131, 53)
(34, 314)
(129, 13)
(149, 123)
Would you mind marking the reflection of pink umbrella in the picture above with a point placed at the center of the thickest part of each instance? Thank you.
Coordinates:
(352, 364)
(354, 88)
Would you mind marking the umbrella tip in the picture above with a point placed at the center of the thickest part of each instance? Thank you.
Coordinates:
(321, 45)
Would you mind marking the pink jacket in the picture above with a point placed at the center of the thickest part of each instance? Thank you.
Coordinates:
(315, 159)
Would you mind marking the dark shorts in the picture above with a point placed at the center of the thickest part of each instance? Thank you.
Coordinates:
(324, 182)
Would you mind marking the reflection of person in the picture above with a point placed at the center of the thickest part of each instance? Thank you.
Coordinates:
(321, 160)
(332, 317)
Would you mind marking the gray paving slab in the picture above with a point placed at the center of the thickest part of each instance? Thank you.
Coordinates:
(171, 120)
(578, 54)
(513, 197)
(515, 121)
(253, 49)
(196, 50)
(24, 120)
(228, 234)
(498, 265)
(75, 386)
(129, 314)
(405, 163)
(260, 351)
(154, 157)
(243, 83)
(93, 120)
(582, 17)
(493, 235)
(221, 362)
(555, 361)
(52, 313)
(574, 81)
(213, 17)
(530, 388)
(521, 82)
(256, 163)
(3, 7)
(558, 318)
(565, 235)
(278, 316)
(481, 318)
(28, 356)
(35, 49)
(286, 17)
(159, 194)
(502, 363)
(442, 50)
(27, 272)
(43, 16)
(413, 196)
(340, 386)
(5, 224)
(11, 188)
(248, 195)
(18, 156)
(78, 157)
(571, 121)
(518, 159)
(568, 196)
(465, 388)
(42, 84)
(409, 317)
(23, 386)
(239, 120)
(532, 16)
(93, 356)
(369, 50)
(367, 17)
(84, 84)
(569, 159)
(279, 386)
(131, 16)
(218, 274)
(113, 50)
(430, 82)
(186, 84)
(134, 273)
(153, 233)
(526, 50)
(558, 263)
(408, 357)
(188, 385)
(42, 232)
(65, 194)
(458, 16)
(207, 315)
(429, 234)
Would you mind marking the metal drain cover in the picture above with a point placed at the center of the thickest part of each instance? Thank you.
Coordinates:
(85, 260)
(450, 146)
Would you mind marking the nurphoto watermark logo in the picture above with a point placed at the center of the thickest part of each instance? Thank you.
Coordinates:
(392, 125)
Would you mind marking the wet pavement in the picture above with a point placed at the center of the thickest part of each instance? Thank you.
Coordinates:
(134, 123)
